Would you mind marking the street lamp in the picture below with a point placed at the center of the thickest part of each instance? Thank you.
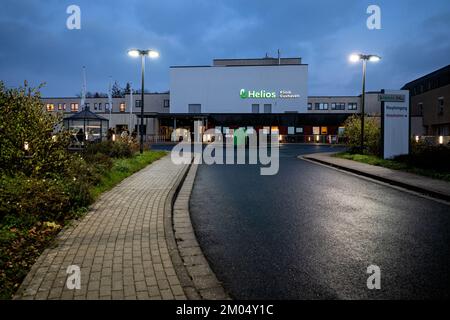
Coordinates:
(356, 57)
(142, 53)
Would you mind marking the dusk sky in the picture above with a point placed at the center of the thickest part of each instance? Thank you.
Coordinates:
(36, 44)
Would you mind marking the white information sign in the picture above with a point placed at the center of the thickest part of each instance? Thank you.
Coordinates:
(395, 128)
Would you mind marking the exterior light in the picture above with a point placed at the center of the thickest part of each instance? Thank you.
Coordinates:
(417, 139)
(153, 54)
(54, 137)
(354, 57)
(374, 58)
(114, 137)
(441, 140)
(280, 138)
(364, 58)
(133, 53)
(317, 138)
(26, 146)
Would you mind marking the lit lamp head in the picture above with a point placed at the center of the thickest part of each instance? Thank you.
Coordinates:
(374, 58)
(26, 146)
(134, 53)
(153, 54)
(354, 57)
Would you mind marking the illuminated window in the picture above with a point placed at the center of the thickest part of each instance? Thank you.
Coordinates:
(74, 107)
(61, 106)
(50, 107)
(122, 107)
(323, 130)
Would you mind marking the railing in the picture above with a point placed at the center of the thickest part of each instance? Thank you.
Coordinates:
(156, 138)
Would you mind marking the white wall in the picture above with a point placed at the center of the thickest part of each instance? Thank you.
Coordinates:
(217, 88)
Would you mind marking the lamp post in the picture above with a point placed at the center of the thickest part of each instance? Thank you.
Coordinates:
(364, 58)
(142, 53)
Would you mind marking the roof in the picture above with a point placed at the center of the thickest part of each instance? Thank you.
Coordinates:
(86, 114)
(441, 71)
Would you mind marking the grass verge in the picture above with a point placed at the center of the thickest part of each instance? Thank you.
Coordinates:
(21, 243)
(394, 165)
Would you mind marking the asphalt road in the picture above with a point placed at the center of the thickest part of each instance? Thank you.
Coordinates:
(310, 232)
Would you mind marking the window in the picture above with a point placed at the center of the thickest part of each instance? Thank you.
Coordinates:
(61, 106)
(122, 107)
(441, 106)
(95, 106)
(107, 106)
(138, 103)
(87, 105)
(74, 107)
(420, 109)
(321, 106)
(50, 107)
(99, 106)
(338, 106)
(267, 108)
(166, 103)
(352, 106)
(255, 108)
(309, 106)
(195, 108)
(291, 130)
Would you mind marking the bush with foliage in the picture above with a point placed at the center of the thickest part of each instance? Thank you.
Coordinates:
(372, 134)
(428, 157)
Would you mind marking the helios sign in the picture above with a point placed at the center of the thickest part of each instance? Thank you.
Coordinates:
(395, 122)
(263, 94)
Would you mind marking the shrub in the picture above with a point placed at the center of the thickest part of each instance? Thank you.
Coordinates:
(32, 199)
(428, 157)
(121, 148)
(372, 134)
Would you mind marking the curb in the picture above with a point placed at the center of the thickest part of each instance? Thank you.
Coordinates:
(431, 193)
(196, 276)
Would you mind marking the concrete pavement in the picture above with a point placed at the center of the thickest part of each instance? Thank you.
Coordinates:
(432, 187)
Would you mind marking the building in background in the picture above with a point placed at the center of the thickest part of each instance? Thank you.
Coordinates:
(430, 103)
(261, 94)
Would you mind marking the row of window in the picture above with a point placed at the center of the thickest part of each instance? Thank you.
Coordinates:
(267, 108)
(97, 106)
(334, 106)
(440, 107)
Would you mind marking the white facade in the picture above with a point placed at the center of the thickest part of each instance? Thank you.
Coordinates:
(217, 89)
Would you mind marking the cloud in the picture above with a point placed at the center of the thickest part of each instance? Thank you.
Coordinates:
(37, 46)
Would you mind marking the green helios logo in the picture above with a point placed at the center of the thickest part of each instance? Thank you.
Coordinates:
(253, 94)
(243, 93)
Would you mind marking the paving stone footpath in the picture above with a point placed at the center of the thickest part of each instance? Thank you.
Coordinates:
(122, 245)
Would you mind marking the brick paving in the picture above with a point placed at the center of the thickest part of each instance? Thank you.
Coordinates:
(121, 245)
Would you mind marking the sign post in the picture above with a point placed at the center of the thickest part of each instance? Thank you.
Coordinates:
(395, 122)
